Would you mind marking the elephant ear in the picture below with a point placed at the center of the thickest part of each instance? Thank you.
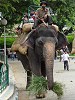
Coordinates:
(62, 40)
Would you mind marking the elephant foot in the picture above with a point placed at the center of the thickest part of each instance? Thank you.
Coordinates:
(42, 95)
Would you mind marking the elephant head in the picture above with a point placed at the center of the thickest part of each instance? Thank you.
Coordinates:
(41, 50)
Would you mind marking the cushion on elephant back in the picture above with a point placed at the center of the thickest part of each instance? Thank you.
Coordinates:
(27, 27)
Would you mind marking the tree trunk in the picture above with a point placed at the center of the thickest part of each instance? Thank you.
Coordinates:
(49, 53)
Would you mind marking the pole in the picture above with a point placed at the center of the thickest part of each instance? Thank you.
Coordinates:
(4, 46)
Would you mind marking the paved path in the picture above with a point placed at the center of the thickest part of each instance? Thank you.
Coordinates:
(19, 73)
(67, 78)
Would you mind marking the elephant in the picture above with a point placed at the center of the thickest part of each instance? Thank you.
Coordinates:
(41, 45)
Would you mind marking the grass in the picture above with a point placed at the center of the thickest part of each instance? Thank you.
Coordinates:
(38, 85)
(58, 88)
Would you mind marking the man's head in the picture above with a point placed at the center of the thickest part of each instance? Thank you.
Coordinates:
(43, 4)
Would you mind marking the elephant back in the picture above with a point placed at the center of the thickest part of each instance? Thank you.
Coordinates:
(46, 31)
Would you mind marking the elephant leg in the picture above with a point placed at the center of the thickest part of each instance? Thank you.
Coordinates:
(34, 62)
(25, 63)
(29, 77)
(49, 52)
(43, 69)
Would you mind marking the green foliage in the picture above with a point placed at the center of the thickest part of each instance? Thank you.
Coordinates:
(57, 88)
(9, 42)
(6, 5)
(70, 38)
(38, 85)
(13, 10)
(37, 2)
(72, 55)
(64, 12)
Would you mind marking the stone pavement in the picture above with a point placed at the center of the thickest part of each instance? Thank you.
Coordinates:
(67, 78)
(19, 73)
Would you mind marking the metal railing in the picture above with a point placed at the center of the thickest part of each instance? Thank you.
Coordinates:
(4, 75)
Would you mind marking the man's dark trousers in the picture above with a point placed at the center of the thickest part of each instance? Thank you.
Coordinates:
(66, 65)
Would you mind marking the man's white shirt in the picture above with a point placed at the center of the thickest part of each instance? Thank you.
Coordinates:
(65, 57)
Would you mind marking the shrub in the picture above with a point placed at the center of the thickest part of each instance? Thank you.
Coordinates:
(71, 54)
(9, 42)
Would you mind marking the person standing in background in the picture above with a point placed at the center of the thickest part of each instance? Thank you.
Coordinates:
(12, 56)
(65, 59)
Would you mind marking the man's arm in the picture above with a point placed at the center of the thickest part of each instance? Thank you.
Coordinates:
(37, 13)
(48, 13)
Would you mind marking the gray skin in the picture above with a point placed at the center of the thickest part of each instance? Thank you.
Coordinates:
(39, 60)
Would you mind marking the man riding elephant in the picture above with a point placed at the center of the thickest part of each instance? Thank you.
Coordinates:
(42, 15)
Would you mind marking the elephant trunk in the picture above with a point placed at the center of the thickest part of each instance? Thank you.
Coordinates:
(49, 52)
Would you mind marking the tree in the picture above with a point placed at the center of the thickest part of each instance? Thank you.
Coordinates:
(64, 12)
(13, 10)
(6, 6)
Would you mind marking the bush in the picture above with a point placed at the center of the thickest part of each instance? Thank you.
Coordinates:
(9, 42)
(71, 54)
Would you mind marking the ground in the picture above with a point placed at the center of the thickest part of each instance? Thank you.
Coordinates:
(67, 78)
